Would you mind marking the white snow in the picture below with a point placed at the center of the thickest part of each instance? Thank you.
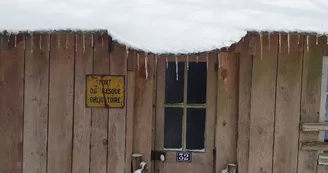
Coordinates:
(167, 26)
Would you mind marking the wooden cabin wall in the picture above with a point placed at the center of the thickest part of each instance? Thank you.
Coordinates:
(264, 91)
(279, 88)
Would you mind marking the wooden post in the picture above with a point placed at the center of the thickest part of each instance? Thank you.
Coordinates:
(232, 168)
(136, 160)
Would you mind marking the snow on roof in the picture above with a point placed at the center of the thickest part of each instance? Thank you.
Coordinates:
(167, 26)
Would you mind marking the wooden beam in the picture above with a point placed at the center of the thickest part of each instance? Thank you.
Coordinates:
(314, 127)
(314, 146)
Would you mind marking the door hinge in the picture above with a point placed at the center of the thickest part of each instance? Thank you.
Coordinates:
(216, 66)
(214, 153)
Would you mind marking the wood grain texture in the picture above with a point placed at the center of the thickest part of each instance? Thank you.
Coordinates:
(11, 103)
(142, 140)
(288, 105)
(263, 104)
(130, 89)
(82, 115)
(244, 109)
(322, 168)
(61, 103)
(117, 117)
(36, 103)
(227, 111)
(99, 129)
(310, 100)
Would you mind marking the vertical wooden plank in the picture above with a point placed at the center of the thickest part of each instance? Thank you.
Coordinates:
(12, 101)
(263, 104)
(99, 138)
(227, 112)
(82, 115)
(322, 168)
(310, 100)
(288, 105)
(142, 140)
(61, 103)
(130, 110)
(36, 103)
(117, 117)
(244, 106)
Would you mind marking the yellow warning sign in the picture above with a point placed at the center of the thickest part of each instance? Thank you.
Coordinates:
(105, 91)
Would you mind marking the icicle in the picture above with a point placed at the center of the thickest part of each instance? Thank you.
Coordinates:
(102, 40)
(58, 41)
(288, 40)
(243, 39)
(146, 65)
(176, 68)
(24, 42)
(9, 37)
(75, 43)
(66, 41)
(269, 39)
(197, 58)
(126, 52)
(83, 41)
(40, 42)
(298, 40)
(327, 38)
(279, 42)
(188, 62)
(261, 42)
(138, 64)
(49, 42)
(156, 59)
(219, 65)
(32, 43)
(207, 61)
(15, 40)
(167, 63)
(307, 43)
(317, 40)
(91, 40)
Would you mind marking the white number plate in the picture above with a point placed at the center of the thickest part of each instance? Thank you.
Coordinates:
(184, 156)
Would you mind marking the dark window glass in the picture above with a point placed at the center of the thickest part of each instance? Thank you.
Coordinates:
(173, 128)
(174, 87)
(196, 128)
(197, 77)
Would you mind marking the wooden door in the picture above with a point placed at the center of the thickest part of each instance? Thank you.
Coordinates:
(185, 114)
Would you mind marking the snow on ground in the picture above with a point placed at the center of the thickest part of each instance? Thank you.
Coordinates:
(162, 26)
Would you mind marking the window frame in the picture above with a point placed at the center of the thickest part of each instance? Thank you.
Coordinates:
(323, 95)
(184, 105)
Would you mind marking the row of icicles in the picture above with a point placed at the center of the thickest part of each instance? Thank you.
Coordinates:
(176, 58)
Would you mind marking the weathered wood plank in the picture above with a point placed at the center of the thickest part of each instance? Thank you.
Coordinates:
(310, 103)
(288, 98)
(36, 103)
(244, 106)
(227, 111)
(117, 117)
(314, 127)
(11, 103)
(263, 104)
(314, 146)
(130, 91)
(61, 103)
(82, 115)
(99, 129)
(144, 108)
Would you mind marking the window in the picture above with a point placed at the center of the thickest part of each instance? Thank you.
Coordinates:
(185, 106)
(324, 97)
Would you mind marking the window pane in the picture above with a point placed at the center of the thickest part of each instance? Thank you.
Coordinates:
(196, 128)
(197, 77)
(174, 87)
(173, 128)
